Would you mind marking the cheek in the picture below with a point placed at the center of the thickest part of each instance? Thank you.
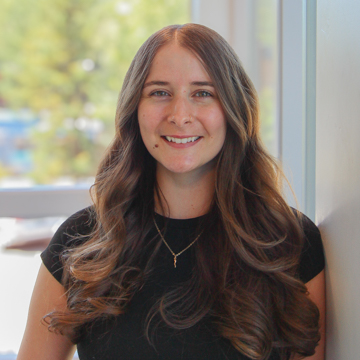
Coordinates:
(147, 130)
(216, 122)
(144, 123)
(148, 120)
(217, 129)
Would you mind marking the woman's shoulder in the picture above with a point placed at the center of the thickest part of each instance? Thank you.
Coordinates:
(74, 231)
(312, 259)
(80, 223)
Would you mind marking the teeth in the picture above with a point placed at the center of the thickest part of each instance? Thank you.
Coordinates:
(182, 141)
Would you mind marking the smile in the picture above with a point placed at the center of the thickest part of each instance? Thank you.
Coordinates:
(183, 140)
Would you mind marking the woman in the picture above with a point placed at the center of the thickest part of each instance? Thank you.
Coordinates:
(190, 251)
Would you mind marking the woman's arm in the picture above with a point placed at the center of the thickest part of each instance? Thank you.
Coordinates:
(316, 289)
(38, 343)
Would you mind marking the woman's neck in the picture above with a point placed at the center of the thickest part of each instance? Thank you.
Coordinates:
(184, 196)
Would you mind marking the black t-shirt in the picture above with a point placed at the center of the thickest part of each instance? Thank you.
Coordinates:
(123, 337)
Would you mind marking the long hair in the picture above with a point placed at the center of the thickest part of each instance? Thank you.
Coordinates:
(245, 274)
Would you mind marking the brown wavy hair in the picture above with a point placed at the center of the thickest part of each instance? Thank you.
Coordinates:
(246, 276)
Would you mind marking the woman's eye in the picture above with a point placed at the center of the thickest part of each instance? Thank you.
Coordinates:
(160, 93)
(203, 93)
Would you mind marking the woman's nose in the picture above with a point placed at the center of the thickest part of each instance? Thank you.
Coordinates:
(180, 113)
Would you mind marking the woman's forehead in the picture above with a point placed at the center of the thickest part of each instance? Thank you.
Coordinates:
(173, 61)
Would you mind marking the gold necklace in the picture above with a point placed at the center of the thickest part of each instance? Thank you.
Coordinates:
(167, 245)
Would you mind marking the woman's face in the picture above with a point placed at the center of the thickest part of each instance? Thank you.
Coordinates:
(181, 121)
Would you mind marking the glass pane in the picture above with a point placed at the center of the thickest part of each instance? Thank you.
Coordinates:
(62, 64)
(266, 25)
(256, 42)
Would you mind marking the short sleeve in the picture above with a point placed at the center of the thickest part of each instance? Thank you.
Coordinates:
(312, 260)
(67, 235)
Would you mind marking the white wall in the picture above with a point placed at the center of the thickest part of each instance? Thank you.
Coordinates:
(338, 169)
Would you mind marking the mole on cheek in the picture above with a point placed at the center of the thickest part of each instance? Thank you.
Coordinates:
(156, 145)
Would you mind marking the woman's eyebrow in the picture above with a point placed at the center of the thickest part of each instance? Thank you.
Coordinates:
(164, 83)
(202, 83)
(156, 82)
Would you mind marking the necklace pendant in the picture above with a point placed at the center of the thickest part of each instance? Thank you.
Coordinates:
(167, 245)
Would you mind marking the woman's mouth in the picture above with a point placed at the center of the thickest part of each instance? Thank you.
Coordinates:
(182, 140)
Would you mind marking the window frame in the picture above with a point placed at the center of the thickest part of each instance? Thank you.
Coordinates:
(297, 88)
(43, 201)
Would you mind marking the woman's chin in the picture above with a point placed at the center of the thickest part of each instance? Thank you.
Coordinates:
(177, 169)
(180, 170)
